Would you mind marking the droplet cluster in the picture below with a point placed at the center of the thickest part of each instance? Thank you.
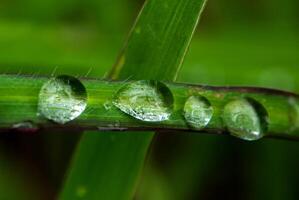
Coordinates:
(64, 98)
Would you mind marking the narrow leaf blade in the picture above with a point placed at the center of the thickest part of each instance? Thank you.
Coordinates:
(159, 40)
(155, 50)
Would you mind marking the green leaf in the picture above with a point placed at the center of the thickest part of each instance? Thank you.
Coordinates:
(155, 50)
(159, 40)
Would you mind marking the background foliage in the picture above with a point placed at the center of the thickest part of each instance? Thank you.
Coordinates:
(238, 42)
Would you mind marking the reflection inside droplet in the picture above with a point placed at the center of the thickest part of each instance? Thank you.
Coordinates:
(245, 119)
(149, 101)
(62, 99)
(197, 111)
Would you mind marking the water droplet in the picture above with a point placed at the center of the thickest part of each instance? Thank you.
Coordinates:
(245, 119)
(198, 111)
(149, 101)
(62, 99)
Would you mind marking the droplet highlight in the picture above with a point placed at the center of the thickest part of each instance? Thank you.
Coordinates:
(149, 101)
(245, 119)
(198, 112)
(62, 99)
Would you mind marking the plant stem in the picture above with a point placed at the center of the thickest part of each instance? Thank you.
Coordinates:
(19, 104)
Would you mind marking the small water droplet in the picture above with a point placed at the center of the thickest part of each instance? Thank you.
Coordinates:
(198, 111)
(149, 101)
(62, 99)
(245, 119)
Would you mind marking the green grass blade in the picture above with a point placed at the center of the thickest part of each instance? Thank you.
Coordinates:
(159, 40)
(21, 105)
(150, 53)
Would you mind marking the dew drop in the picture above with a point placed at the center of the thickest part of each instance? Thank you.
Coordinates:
(198, 111)
(149, 101)
(62, 99)
(245, 119)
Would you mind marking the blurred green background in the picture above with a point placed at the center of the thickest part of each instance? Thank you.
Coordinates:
(238, 42)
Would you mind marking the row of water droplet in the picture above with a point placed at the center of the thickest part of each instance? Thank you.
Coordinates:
(64, 98)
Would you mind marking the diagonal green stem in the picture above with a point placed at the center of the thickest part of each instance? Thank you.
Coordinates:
(155, 50)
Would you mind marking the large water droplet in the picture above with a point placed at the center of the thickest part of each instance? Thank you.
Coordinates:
(245, 119)
(62, 99)
(149, 101)
(198, 111)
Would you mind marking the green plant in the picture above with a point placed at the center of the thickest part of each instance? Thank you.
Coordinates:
(146, 105)
(155, 50)
(160, 37)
